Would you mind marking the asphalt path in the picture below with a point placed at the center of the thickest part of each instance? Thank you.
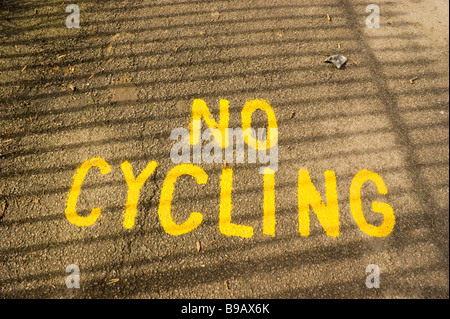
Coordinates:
(115, 89)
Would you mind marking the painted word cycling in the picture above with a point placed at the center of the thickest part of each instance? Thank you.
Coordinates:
(308, 197)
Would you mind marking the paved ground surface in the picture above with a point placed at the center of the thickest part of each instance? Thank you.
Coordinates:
(117, 87)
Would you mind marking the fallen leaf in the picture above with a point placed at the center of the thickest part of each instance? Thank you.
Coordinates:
(113, 281)
(2, 213)
(413, 80)
(20, 222)
(227, 285)
(419, 164)
(356, 63)
(215, 14)
(24, 68)
(114, 37)
(35, 201)
(199, 246)
(292, 115)
(6, 141)
(328, 17)
(338, 60)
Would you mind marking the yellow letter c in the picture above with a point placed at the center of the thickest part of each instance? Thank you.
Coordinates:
(165, 205)
(71, 212)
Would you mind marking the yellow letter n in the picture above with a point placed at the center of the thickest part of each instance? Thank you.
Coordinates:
(219, 131)
(328, 215)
